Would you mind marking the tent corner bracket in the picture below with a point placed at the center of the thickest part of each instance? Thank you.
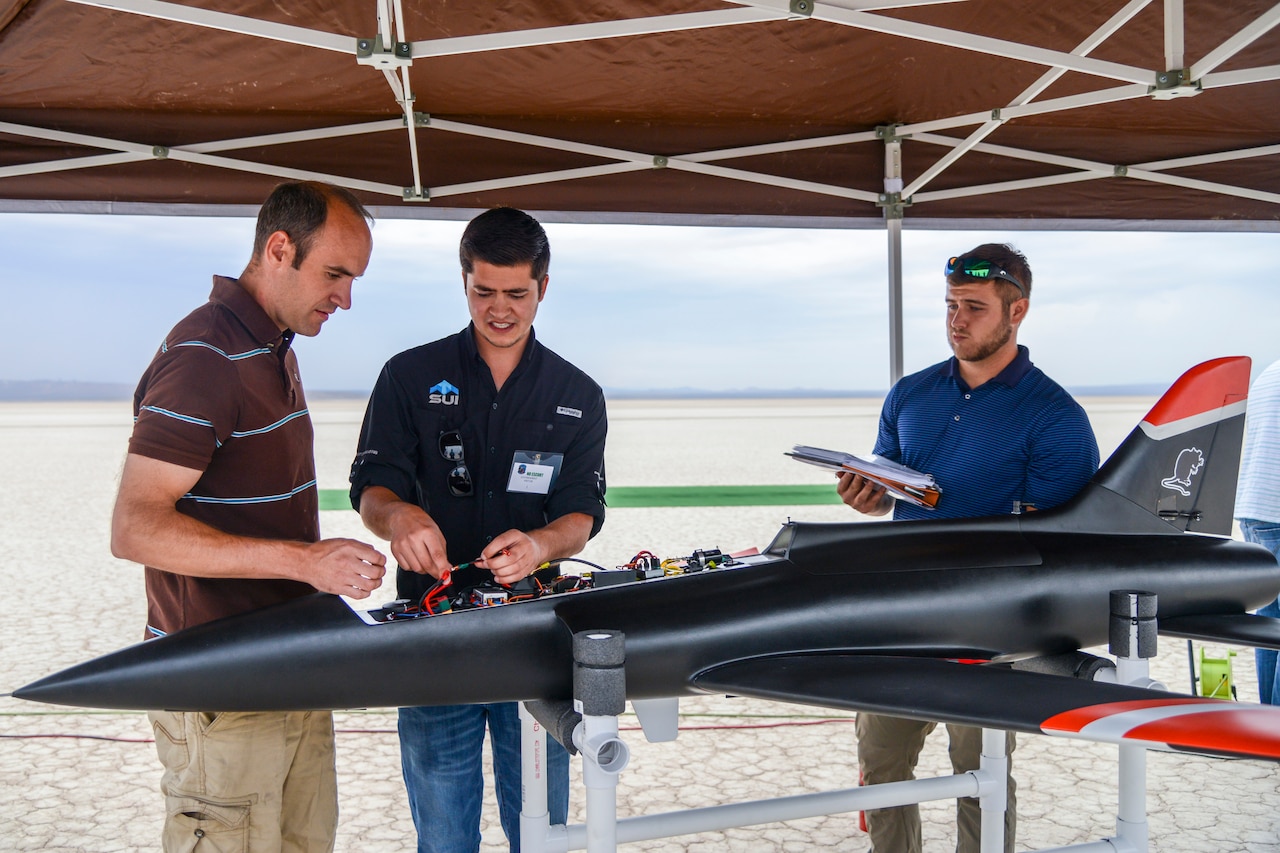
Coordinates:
(1175, 83)
(800, 9)
(893, 204)
(374, 53)
(417, 194)
(889, 133)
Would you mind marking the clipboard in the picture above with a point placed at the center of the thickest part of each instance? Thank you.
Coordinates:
(903, 483)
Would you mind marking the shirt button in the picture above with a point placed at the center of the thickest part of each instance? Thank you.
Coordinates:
(493, 450)
(967, 396)
(489, 495)
(957, 417)
(495, 407)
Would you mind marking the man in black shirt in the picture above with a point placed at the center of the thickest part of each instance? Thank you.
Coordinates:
(481, 447)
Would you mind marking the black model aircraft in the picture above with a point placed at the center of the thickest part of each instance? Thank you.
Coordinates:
(886, 617)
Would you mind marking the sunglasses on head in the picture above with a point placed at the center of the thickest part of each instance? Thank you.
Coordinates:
(978, 268)
(459, 477)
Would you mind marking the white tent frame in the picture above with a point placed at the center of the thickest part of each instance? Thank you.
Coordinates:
(389, 52)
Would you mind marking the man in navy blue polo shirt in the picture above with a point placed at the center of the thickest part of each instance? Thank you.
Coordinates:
(481, 447)
(998, 436)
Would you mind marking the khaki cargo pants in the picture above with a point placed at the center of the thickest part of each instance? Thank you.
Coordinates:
(888, 749)
(247, 782)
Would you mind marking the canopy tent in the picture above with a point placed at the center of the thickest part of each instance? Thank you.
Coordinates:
(847, 113)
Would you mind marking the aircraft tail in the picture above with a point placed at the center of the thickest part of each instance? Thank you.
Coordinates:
(1179, 466)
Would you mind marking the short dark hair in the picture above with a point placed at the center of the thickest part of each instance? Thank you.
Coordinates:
(505, 237)
(299, 209)
(1002, 255)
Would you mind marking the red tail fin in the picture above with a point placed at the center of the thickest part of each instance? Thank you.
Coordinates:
(1181, 464)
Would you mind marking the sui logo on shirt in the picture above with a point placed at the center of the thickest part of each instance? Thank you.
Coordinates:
(444, 393)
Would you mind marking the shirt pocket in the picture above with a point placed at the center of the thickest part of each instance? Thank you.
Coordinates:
(544, 436)
(536, 443)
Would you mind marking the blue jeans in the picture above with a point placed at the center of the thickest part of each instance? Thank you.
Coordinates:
(440, 754)
(1266, 534)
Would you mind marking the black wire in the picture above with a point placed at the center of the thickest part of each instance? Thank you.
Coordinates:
(576, 560)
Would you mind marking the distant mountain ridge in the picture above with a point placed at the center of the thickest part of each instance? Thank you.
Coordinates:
(38, 390)
(732, 393)
(54, 390)
(1136, 389)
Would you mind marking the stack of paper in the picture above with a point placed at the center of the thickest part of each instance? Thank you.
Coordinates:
(903, 483)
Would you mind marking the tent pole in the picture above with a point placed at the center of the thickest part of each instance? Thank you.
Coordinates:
(893, 226)
(891, 203)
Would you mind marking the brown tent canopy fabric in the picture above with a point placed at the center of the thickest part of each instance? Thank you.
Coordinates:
(770, 110)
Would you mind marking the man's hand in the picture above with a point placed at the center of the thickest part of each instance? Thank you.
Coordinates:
(863, 495)
(512, 556)
(417, 542)
(345, 567)
(515, 555)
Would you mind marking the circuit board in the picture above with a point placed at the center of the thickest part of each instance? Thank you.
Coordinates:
(468, 587)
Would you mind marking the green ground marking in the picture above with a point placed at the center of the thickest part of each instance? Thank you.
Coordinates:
(619, 497)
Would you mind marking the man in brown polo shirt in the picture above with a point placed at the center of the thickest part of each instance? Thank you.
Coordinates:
(218, 499)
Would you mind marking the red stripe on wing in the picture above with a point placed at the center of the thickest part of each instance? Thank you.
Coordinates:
(1233, 730)
(1076, 719)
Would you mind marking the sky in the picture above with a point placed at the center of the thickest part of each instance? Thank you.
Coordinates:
(88, 298)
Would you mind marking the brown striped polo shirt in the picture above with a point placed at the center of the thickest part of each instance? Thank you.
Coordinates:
(223, 396)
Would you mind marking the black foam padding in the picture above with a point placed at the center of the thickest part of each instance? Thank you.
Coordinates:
(1129, 607)
(600, 648)
(1123, 603)
(559, 719)
(602, 691)
(1072, 665)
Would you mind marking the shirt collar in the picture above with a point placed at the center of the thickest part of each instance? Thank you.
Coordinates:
(1010, 376)
(229, 293)
(472, 353)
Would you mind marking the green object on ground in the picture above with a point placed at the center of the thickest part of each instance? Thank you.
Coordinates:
(1216, 678)
(777, 495)
(620, 497)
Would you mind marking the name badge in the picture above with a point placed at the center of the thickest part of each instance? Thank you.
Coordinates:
(533, 473)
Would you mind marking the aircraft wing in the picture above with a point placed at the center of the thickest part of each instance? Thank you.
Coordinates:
(1241, 629)
(1001, 698)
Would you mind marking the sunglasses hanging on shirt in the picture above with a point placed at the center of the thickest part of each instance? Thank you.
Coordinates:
(459, 478)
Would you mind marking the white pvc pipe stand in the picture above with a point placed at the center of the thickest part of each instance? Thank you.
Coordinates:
(993, 788)
(1132, 830)
(535, 819)
(1131, 808)
(756, 812)
(1132, 668)
(604, 756)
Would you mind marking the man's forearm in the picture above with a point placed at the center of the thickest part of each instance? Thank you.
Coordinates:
(380, 507)
(565, 536)
(147, 527)
(416, 540)
(164, 538)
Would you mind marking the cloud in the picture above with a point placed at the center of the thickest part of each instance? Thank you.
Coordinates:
(88, 298)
